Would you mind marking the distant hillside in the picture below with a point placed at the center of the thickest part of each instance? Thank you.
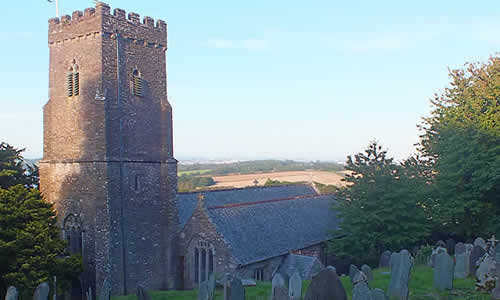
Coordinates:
(258, 166)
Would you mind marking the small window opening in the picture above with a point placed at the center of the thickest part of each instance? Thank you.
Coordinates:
(137, 183)
(137, 83)
(258, 274)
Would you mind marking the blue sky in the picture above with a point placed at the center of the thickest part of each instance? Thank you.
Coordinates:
(272, 79)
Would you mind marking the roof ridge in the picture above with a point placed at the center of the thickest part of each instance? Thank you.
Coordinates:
(262, 201)
(242, 188)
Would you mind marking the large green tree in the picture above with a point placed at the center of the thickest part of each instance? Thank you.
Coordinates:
(382, 207)
(31, 248)
(461, 142)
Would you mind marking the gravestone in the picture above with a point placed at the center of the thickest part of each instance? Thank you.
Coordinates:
(236, 291)
(480, 242)
(105, 293)
(385, 257)
(485, 273)
(441, 244)
(443, 272)
(42, 291)
(368, 272)
(495, 293)
(379, 294)
(394, 255)
(461, 265)
(359, 277)
(459, 248)
(475, 255)
(279, 290)
(361, 291)
(295, 286)
(468, 248)
(206, 290)
(353, 270)
(326, 285)
(400, 275)
(497, 253)
(142, 294)
(450, 246)
(12, 293)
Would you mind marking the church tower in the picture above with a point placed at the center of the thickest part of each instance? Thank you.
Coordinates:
(108, 160)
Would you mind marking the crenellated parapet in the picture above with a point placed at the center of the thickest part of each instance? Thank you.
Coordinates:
(99, 21)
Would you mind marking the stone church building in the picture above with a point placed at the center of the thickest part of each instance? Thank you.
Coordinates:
(109, 169)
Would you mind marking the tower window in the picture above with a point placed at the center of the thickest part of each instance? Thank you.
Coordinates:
(73, 80)
(137, 183)
(137, 83)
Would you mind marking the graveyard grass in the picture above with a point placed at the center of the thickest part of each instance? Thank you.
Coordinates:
(421, 281)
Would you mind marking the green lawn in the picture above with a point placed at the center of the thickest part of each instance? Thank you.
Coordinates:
(420, 288)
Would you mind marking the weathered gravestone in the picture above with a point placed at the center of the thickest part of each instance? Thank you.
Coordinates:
(236, 291)
(105, 293)
(475, 255)
(468, 248)
(353, 270)
(450, 246)
(142, 293)
(385, 257)
(361, 291)
(461, 261)
(42, 291)
(480, 242)
(12, 293)
(393, 258)
(485, 273)
(279, 290)
(368, 272)
(441, 244)
(295, 286)
(400, 275)
(443, 272)
(495, 293)
(379, 294)
(326, 286)
(206, 290)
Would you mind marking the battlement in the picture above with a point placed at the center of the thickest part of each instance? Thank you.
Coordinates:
(101, 20)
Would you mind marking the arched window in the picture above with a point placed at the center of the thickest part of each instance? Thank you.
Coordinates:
(73, 234)
(73, 80)
(204, 254)
(137, 83)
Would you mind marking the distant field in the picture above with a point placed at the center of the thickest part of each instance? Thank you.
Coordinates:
(201, 172)
(244, 180)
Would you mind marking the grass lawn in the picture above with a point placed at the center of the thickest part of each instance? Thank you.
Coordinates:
(421, 281)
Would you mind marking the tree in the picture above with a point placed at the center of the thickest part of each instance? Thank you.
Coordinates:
(31, 248)
(14, 170)
(382, 207)
(461, 142)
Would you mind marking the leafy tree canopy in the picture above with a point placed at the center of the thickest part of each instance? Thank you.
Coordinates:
(461, 142)
(31, 248)
(383, 206)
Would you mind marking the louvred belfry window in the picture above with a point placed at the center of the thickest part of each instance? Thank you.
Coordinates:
(73, 81)
(137, 84)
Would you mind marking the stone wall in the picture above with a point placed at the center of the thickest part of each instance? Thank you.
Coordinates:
(108, 154)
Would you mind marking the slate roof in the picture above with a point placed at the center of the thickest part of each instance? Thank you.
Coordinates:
(263, 222)
(186, 202)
